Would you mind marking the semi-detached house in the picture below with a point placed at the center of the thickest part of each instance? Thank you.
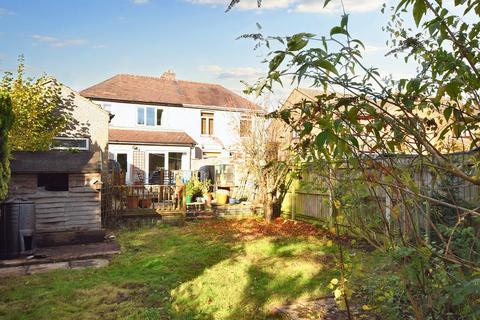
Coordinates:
(161, 123)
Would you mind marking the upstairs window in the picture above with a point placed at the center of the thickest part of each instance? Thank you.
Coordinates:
(149, 116)
(159, 117)
(207, 123)
(245, 126)
(141, 115)
(60, 143)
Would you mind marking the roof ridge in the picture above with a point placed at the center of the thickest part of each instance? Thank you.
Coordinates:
(146, 130)
(160, 78)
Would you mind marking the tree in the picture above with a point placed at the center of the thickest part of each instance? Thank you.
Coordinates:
(386, 132)
(267, 159)
(6, 120)
(35, 103)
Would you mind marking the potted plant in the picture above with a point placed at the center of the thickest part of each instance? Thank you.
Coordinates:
(206, 192)
(132, 201)
(190, 189)
(145, 203)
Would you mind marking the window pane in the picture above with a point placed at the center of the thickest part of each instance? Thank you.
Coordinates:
(159, 117)
(122, 160)
(70, 143)
(245, 127)
(53, 181)
(210, 126)
(150, 116)
(140, 115)
(174, 161)
(204, 126)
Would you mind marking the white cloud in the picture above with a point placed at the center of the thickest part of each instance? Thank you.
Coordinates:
(247, 4)
(316, 6)
(140, 1)
(59, 43)
(303, 6)
(241, 73)
(211, 68)
(6, 12)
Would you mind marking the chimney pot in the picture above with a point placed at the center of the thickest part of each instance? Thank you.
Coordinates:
(168, 75)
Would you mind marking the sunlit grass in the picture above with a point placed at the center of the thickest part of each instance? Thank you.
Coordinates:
(181, 273)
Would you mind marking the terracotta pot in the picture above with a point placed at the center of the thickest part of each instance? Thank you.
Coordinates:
(145, 203)
(132, 202)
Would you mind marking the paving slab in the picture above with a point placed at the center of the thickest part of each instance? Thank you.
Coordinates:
(47, 267)
(321, 309)
(65, 253)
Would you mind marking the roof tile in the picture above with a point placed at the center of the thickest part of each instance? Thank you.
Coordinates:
(163, 90)
(145, 136)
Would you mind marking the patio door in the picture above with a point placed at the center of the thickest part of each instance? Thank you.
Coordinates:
(156, 168)
(175, 161)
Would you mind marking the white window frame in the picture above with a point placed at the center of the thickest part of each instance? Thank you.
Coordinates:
(86, 148)
(207, 123)
(145, 117)
(245, 117)
(138, 118)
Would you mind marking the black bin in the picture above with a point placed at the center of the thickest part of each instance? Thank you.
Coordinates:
(17, 228)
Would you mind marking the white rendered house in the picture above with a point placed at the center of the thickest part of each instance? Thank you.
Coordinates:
(160, 123)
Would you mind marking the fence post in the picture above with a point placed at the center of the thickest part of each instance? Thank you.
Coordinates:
(292, 204)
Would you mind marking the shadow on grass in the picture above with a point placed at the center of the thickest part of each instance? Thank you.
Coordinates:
(269, 282)
(136, 285)
(176, 273)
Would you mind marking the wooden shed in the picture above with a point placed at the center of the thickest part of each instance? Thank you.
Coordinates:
(65, 187)
(65, 182)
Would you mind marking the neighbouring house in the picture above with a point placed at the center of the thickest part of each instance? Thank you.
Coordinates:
(161, 123)
(64, 183)
(449, 144)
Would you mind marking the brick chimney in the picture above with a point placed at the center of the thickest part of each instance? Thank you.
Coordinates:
(168, 75)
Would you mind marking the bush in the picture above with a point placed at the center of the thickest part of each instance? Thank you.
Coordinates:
(6, 120)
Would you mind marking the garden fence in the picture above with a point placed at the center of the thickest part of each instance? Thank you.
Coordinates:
(395, 205)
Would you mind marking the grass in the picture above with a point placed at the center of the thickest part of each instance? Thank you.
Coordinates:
(208, 270)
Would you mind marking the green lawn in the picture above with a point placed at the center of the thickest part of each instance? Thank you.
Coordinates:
(205, 270)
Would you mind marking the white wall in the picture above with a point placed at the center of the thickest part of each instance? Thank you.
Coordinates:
(226, 123)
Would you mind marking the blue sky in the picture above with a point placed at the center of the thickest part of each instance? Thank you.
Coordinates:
(83, 42)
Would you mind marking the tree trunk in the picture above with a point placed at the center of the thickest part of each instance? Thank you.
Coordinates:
(271, 207)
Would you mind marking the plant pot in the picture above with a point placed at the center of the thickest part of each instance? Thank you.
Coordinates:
(189, 199)
(132, 202)
(209, 198)
(145, 203)
(222, 198)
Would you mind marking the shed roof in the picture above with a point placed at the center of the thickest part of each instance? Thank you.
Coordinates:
(55, 162)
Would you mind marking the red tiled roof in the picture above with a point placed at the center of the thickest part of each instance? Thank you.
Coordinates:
(144, 136)
(164, 90)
